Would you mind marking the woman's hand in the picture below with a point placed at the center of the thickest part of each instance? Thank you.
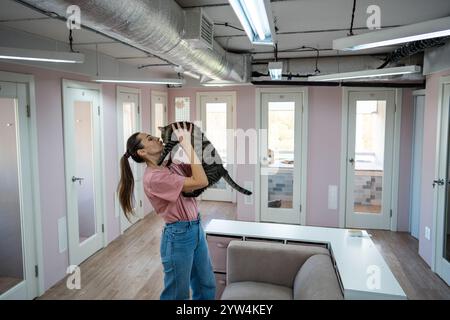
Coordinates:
(183, 134)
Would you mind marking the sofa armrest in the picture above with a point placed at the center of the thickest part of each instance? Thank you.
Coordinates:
(317, 280)
(273, 263)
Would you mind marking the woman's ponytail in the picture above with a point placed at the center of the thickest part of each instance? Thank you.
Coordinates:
(125, 189)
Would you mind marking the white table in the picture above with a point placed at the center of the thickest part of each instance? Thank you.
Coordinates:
(361, 269)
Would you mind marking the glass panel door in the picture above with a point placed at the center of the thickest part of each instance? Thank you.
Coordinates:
(17, 217)
(217, 124)
(446, 225)
(441, 187)
(369, 156)
(82, 152)
(216, 128)
(370, 143)
(159, 112)
(281, 138)
(11, 253)
(281, 149)
(84, 164)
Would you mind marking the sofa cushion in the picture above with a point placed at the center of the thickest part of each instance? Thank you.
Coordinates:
(249, 290)
(317, 280)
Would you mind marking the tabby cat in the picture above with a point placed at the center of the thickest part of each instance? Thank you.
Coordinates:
(211, 161)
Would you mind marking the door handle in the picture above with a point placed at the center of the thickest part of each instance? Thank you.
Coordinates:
(352, 161)
(439, 182)
(74, 179)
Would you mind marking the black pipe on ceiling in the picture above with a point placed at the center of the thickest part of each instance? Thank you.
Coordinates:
(417, 85)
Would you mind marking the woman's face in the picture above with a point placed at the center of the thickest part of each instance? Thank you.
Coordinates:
(153, 146)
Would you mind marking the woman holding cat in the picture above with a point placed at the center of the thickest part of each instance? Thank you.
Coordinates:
(184, 252)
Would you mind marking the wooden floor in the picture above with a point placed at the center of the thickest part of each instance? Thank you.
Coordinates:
(400, 250)
(130, 267)
(7, 283)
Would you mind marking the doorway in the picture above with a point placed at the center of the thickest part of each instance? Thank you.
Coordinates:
(129, 121)
(441, 186)
(20, 235)
(369, 158)
(283, 156)
(83, 166)
(416, 168)
(216, 110)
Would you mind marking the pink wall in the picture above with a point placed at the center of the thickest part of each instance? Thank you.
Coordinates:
(428, 163)
(324, 152)
(51, 158)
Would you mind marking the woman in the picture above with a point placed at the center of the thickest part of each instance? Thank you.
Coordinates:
(184, 252)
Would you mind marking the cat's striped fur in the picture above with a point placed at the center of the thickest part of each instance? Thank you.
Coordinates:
(211, 161)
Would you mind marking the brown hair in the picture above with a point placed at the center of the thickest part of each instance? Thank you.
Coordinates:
(126, 183)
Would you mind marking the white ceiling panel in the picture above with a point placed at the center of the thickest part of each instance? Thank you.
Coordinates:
(11, 10)
(119, 50)
(57, 30)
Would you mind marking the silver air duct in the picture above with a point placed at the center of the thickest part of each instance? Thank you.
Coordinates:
(155, 26)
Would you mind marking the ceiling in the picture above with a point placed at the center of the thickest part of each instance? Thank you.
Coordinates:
(310, 23)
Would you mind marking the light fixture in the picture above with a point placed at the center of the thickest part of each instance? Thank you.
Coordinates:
(256, 19)
(392, 36)
(139, 81)
(192, 74)
(275, 70)
(367, 73)
(224, 83)
(218, 83)
(40, 55)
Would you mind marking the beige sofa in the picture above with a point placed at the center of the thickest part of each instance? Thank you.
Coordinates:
(276, 271)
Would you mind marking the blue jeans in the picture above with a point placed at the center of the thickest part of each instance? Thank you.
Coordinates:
(186, 262)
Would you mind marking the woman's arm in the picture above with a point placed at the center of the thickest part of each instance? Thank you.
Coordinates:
(198, 179)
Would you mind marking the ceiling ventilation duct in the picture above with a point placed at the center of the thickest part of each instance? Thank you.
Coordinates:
(158, 27)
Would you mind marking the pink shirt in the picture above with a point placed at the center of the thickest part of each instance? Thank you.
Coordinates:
(163, 188)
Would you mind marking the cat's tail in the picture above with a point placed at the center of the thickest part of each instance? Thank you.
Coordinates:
(234, 185)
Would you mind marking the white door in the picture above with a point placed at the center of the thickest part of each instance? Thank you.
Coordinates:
(416, 170)
(129, 122)
(216, 114)
(17, 234)
(369, 159)
(281, 149)
(442, 191)
(82, 151)
(158, 112)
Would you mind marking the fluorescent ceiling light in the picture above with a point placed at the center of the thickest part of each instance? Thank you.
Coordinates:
(224, 83)
(143, 81)
(192, 75)
(40, 55)
(218, 83)
(275, 70)
(367, 73)
(256, 19)
(413, 32)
